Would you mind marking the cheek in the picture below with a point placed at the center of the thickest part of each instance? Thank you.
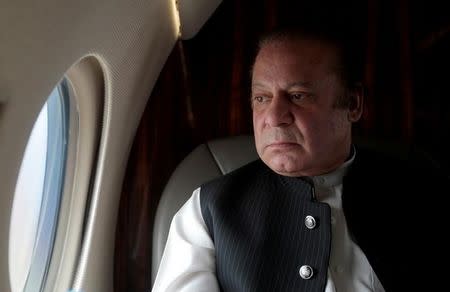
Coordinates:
(309, 127)
(258, 123)
(339, 124)
(329, 133)
(316, 131)
(257, 130)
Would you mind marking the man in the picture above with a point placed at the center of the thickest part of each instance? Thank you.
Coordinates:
(308, 216)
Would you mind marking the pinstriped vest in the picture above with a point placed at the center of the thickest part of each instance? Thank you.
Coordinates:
(393, 211)
(257, 223)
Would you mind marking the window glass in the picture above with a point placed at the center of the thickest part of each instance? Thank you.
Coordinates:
(38, 194)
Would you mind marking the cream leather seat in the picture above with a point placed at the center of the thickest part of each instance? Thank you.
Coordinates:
(204, 163)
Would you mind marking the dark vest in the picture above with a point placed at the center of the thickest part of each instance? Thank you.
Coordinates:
(256, 219)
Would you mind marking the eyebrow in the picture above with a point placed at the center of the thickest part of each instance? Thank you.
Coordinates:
(299, 84)
(257, 84)
(290, 85)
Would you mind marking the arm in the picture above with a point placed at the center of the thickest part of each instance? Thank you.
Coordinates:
(188, 262)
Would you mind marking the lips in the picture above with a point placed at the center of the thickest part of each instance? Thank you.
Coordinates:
(282, 144)
(280, 139)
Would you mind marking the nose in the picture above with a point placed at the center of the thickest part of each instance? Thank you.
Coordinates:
(279, 112)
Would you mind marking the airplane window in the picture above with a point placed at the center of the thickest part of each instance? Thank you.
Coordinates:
(38, 194)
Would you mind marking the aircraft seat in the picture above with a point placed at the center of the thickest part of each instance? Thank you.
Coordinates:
(204, 163)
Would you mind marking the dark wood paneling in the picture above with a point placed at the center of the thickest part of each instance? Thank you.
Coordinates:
(162, 139)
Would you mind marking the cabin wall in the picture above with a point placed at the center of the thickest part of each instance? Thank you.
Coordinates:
(203, 93)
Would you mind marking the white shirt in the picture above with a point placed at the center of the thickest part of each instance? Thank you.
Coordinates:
(188, 262)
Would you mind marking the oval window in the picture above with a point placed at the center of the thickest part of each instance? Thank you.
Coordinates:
(38, 194)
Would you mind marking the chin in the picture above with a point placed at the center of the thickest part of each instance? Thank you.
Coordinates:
(290, 174)
(283, 166)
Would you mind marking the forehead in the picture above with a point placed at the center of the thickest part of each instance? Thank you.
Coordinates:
(295, 56)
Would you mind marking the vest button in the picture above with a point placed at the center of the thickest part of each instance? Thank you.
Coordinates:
(310, 222)
(306, 272)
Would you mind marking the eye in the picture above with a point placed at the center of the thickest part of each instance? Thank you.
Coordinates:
(297, 96)
(300, 97)
(259, 99)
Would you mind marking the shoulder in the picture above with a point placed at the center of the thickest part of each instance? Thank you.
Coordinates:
(393, 161)
(234, 186)
(406, 179)
(248, 172)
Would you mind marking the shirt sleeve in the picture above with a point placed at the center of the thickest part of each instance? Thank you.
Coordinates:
(188, 262)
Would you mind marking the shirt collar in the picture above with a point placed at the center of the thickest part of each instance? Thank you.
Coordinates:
(335, 177)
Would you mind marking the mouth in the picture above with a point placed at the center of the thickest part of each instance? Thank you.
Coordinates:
(282, 145)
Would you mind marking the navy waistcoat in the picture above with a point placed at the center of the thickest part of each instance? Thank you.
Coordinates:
(257, 223)
(394, 209)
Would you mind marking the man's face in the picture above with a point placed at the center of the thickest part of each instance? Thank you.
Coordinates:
(299, 131)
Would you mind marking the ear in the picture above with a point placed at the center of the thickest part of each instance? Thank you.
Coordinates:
(356, 102)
